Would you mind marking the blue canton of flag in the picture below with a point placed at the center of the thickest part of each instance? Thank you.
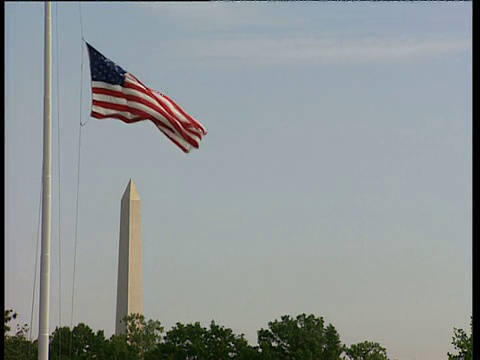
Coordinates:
(104, 69)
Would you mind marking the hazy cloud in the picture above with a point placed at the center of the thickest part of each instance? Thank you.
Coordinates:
(268, 34)
(223, 16)
(263, 49)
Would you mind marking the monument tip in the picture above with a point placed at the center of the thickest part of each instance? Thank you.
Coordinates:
(131, 192)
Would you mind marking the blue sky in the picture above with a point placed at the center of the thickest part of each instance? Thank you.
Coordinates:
(335, 178)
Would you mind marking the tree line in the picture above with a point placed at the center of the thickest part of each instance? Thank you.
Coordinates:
(304, 337)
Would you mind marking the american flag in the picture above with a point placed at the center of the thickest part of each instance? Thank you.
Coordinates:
(118, 94)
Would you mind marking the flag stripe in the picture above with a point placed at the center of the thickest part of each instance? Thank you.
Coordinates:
(194, 121)
(176, 114)
(177, 111)
(138, 94)
(128, 118)
(120, 98)
(109, 109)
(189, 125)
(178, 140)
(132, 82)
(121, 104)
(140, 106)
(137, 112)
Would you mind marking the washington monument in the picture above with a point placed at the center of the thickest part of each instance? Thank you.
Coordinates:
(130, 278)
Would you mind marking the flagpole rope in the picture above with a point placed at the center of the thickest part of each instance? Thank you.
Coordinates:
(35, 268)
(76, 237)
(59, 186)
(81, 66)
(78, 179)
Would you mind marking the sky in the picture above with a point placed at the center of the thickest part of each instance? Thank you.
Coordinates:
(335, 178)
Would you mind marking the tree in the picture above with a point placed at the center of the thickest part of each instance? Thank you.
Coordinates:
(143, 336)
(79, 343)
(139, 340)
(302, 338)
(60, 343)
(184, 342)
(17, 346)
(117, 348)
(333, 346)
(222, 343)
(192, 341)
(462, 343)
(366, 350)
(9, 315)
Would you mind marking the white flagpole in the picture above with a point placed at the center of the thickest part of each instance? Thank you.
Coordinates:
(43, 333)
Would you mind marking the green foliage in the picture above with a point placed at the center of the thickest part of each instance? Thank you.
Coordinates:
(117, 348)
(79, 343)
(60, 340)
(143, 336)
(302, 338)
(9, 315)
(192, 341)
(463, 343)
(365, 351)
(17, 346)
